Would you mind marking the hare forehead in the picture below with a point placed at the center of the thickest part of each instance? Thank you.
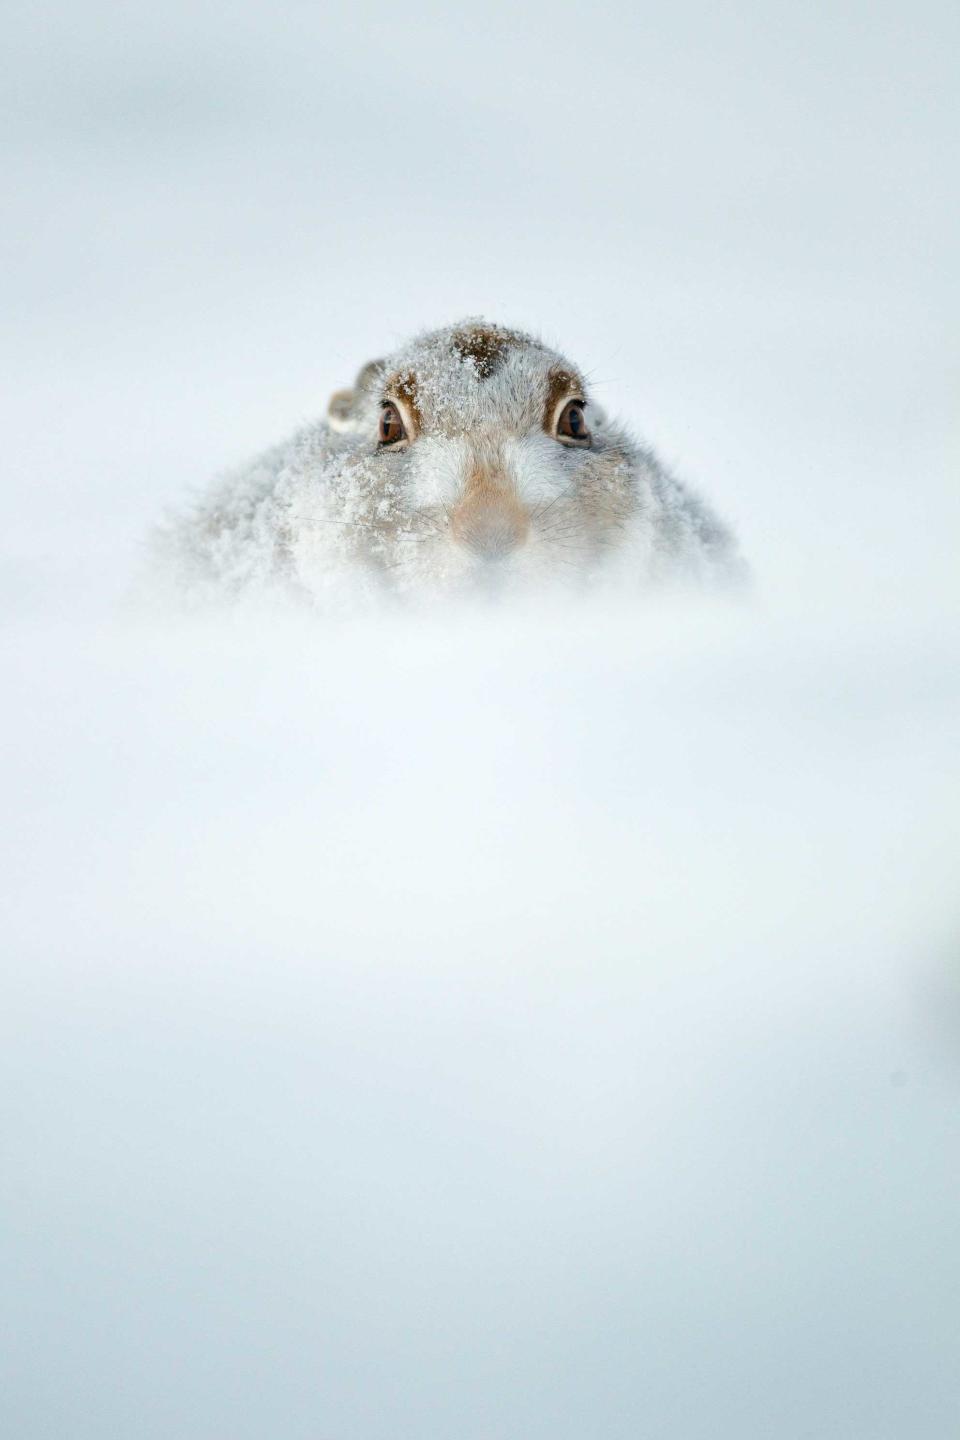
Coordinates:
(461, 380)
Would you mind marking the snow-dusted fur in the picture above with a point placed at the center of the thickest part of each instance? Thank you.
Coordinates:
(332, 513)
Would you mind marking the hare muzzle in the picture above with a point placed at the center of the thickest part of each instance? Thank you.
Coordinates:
(490, 521)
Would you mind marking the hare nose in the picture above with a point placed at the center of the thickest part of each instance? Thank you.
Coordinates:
(492, 528)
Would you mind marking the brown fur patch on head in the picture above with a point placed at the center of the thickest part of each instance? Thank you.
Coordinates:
(404, 387)
(561, 385)
(484, 345)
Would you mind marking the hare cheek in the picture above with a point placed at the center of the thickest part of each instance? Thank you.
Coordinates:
(436, 474)
(541, 469)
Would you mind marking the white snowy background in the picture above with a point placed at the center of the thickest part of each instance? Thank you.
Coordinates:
(505, 1025)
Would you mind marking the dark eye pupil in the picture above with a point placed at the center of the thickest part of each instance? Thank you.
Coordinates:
(576, 421)
(391, 429)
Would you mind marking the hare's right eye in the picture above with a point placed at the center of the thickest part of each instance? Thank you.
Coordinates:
(572, 424)
(391, 425)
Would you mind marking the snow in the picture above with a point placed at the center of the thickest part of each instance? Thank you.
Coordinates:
(505, 1025)
(524, 1020)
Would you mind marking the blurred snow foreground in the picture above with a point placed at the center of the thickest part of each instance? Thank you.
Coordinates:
(510, 1022)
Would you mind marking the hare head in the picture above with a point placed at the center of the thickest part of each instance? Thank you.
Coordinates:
(489, 452)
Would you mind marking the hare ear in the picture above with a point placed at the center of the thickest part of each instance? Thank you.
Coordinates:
(342, 410)
(346, 406)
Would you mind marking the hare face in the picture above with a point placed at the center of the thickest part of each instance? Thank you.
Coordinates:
(480, 457)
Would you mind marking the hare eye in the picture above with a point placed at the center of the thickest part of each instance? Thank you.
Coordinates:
(391, 426)
(572, 425)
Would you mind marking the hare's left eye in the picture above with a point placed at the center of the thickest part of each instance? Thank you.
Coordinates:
(391, 426)
(572, 424)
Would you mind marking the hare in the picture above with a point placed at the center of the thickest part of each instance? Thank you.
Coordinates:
(473, 458)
